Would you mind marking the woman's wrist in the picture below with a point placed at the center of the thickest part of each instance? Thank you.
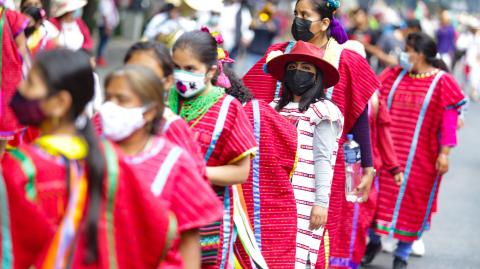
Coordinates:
(369, 171)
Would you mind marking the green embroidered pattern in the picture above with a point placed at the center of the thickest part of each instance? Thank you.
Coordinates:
(196, 106)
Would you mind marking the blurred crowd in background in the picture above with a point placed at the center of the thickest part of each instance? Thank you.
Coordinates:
(249, 27)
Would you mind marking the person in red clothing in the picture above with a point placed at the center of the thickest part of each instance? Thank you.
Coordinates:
(13, 56)
(157, 57)
(74, 33)
(268, 190)
(315, 23)
(424, 122)
(222, 130)
(39, 38)
(87, 208)
(131, 117)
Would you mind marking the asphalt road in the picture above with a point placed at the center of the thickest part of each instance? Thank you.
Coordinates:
(454, 239)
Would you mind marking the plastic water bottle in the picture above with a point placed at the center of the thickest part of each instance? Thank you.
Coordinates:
(353, 169)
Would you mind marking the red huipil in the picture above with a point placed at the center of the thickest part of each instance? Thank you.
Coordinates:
(357, 84)
(414, 210)
(268, 192)
(225, 136)
(165, 170)
(385, 159)
(135, 230)
(177, 131)
(12, 24)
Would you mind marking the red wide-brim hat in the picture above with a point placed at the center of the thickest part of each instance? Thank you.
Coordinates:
(304, 52)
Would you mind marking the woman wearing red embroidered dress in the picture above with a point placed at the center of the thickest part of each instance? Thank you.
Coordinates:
(319, 125)
(424, 131)
(268, 189)
(68, 200)
(12, 51)
(222, 129)
(131, 117)
(315, 23)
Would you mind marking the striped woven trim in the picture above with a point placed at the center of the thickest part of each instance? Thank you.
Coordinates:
(217, 132)
(29, 170)
(227, 228)
(112, 184)
(164, 171)
(326, 242)
(397, 231)
(6, 255)
(257, 226)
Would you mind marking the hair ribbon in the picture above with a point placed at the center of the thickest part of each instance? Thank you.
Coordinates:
(223, 57)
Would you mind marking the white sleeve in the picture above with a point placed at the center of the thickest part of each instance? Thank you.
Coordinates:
(247, 34)
(324, 145)
(152, 29)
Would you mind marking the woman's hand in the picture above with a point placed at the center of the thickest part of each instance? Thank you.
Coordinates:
(398, 178)
(318, 217)
(442, 164)
(366, 184)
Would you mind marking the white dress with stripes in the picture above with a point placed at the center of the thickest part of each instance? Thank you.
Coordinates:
(303, 179)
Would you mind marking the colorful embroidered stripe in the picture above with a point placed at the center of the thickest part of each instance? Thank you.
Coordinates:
(353, 236)
(112, 183)
(29, 170)
(164, 171)
(217, 132)
(397, 231)
(227, 227)
(289, 48)
(256, 176)
(459, 104)
(213, 239)
(429, 206)
(6, 257)
(343, 262)
(394, 88)
(326, 243)
(413, 149)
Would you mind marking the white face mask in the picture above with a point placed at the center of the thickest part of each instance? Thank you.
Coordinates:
(188, 84)
(404, 60)
(118, 122)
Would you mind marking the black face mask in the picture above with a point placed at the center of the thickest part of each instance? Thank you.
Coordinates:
(301, 29)
(29, 30)
(28, 112)
(299, 81)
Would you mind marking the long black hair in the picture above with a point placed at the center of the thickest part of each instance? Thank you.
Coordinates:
(162, 55)
(65, 70)
(422, 43)
(238, 88)
(315, 94)
(326, 10)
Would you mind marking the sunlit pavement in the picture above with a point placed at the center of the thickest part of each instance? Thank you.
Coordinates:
(454, 240)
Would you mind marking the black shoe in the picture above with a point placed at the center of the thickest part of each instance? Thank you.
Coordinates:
(399, 263)
(371, 253)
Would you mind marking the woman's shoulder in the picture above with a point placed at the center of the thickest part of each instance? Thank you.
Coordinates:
(325, 110)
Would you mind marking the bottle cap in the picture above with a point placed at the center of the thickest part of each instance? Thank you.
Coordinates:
(350, 137)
